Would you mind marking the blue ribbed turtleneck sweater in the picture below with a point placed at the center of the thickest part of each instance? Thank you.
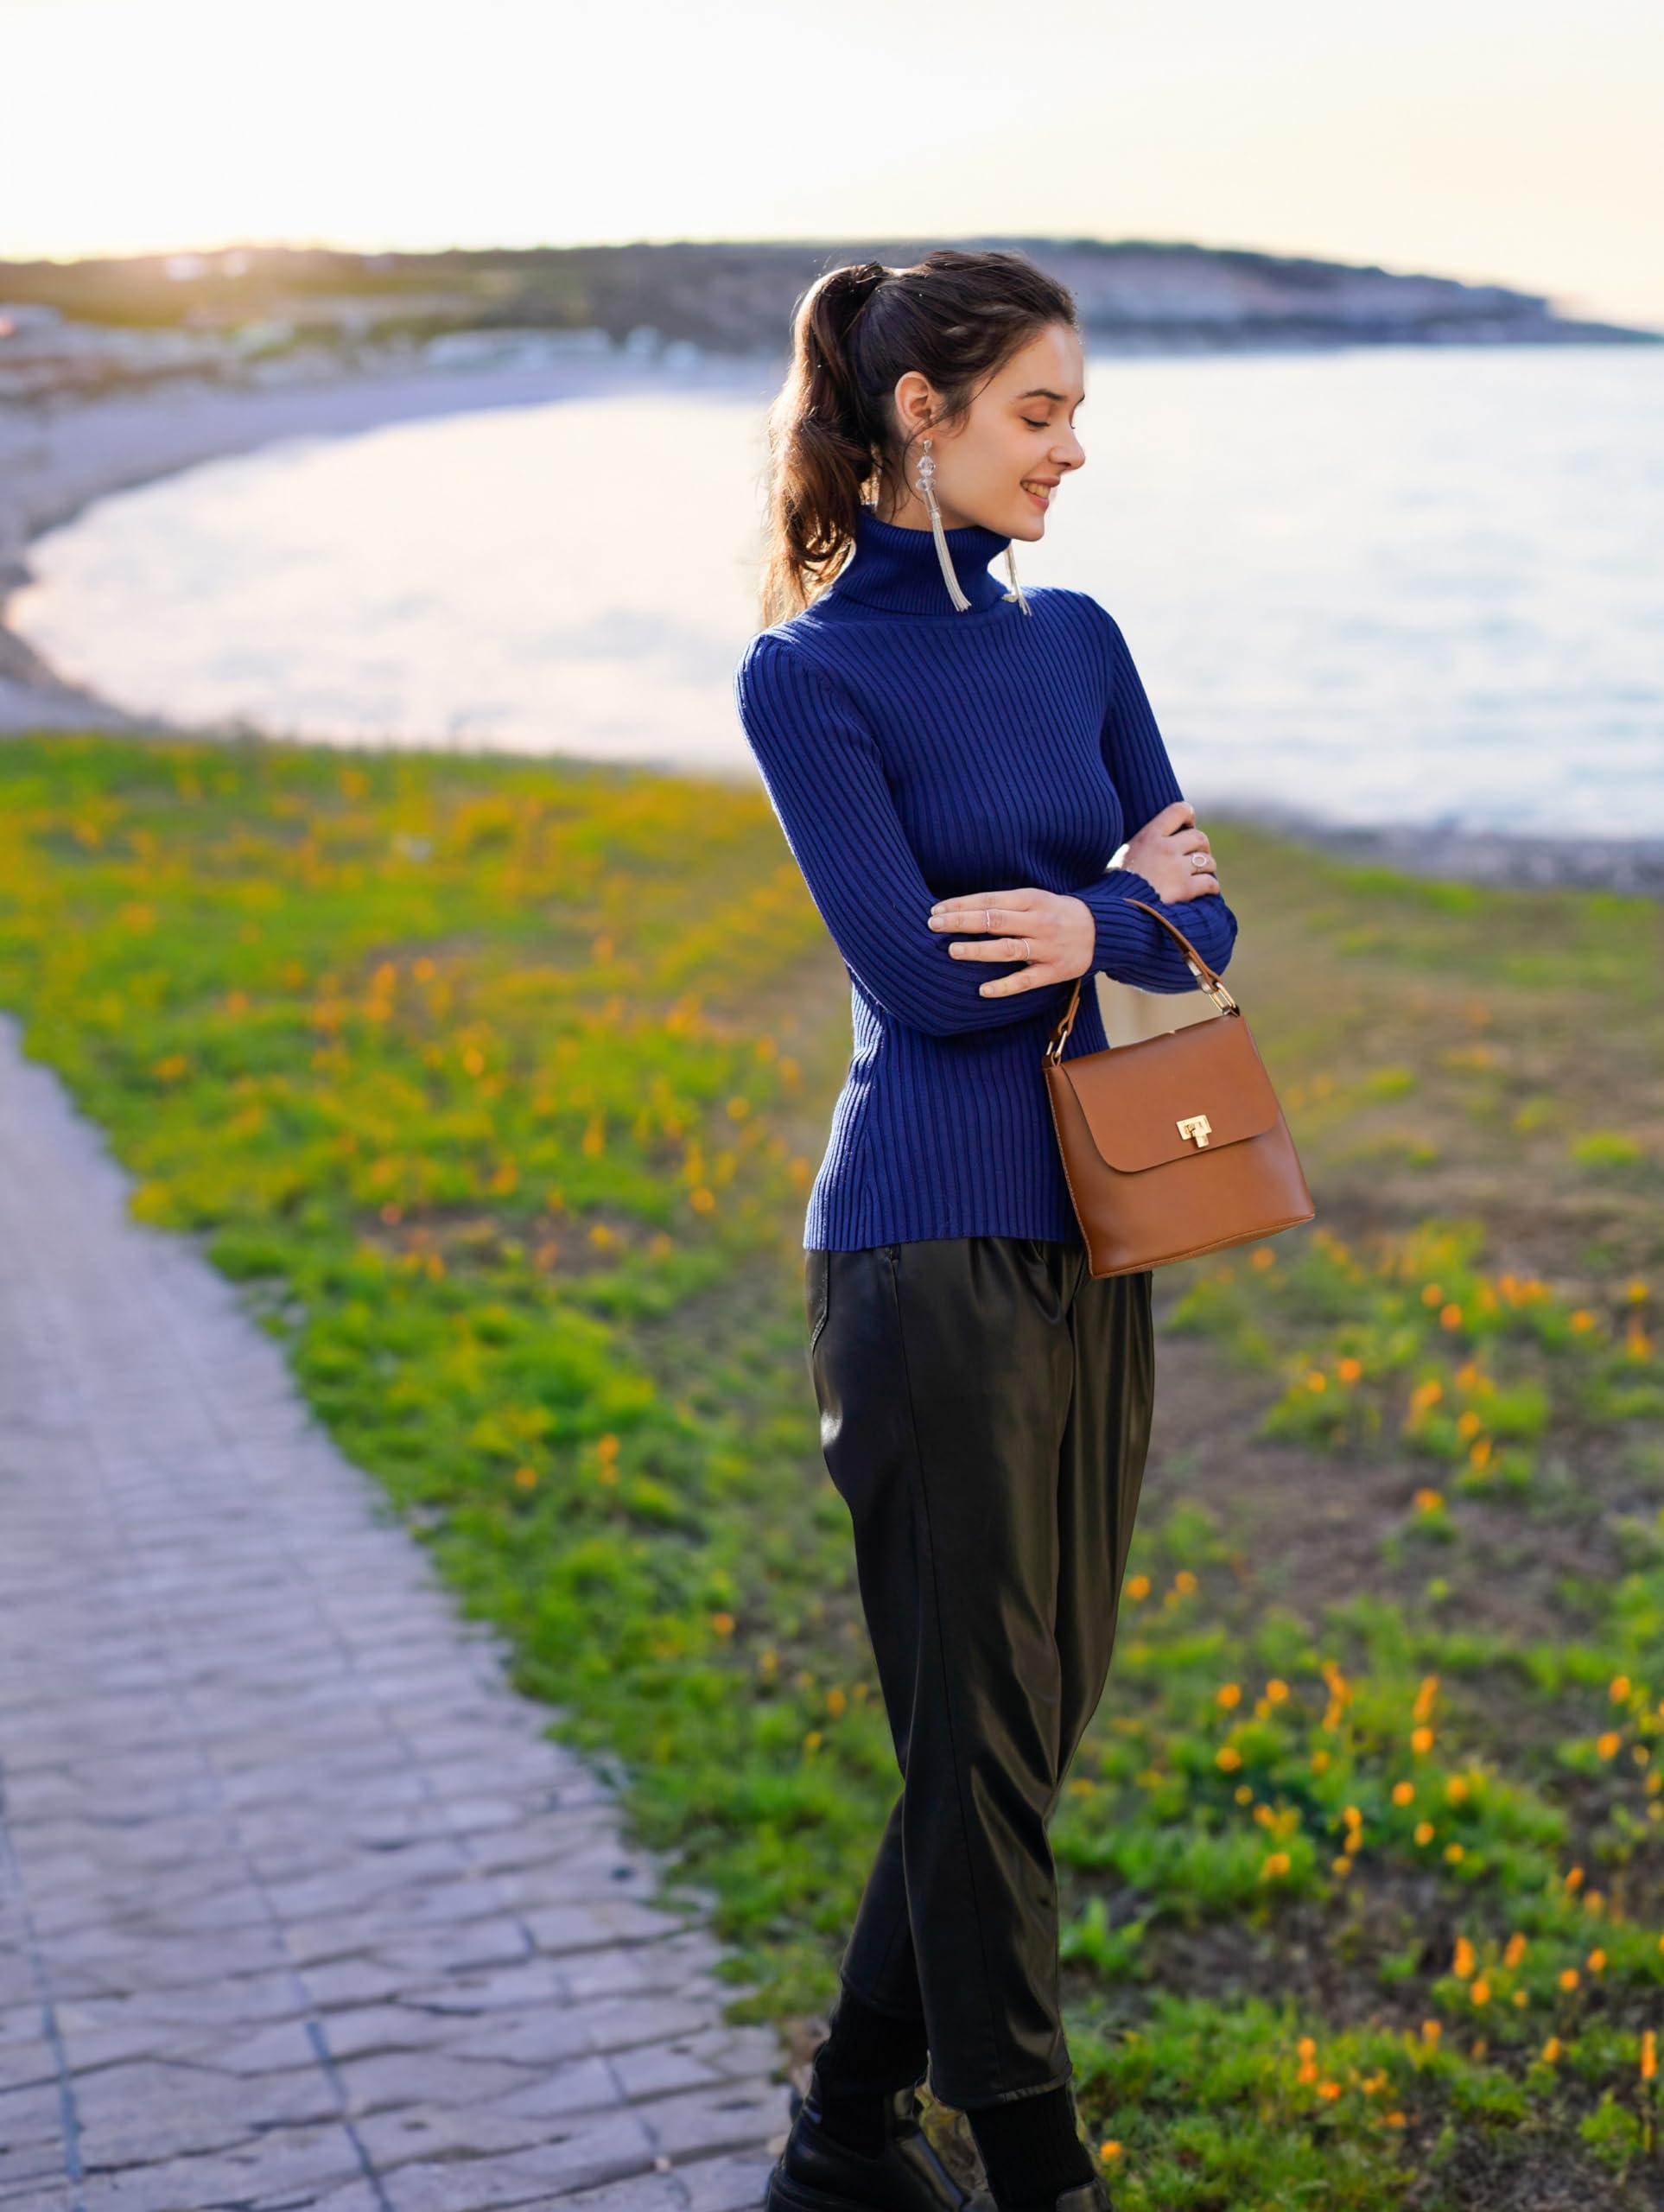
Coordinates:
(913, 753)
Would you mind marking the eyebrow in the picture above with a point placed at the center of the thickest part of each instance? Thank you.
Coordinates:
(1042, 392)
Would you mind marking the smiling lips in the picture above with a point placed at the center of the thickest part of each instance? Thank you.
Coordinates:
(1039, 488)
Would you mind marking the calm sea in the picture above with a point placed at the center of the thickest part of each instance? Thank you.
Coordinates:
(1388, 585)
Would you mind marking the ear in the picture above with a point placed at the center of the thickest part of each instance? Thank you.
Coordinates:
(915, 401)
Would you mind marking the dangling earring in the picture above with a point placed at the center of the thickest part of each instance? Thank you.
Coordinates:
(1016, 591)
(924, 483)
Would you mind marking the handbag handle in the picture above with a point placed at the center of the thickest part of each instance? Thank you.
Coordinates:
(1207, 979)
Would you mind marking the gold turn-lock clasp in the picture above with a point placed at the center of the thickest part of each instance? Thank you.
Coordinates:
(1196, 1126)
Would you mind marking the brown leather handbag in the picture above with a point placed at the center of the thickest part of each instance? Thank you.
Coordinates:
(1176, 1144)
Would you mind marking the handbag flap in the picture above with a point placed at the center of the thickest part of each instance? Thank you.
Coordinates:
(1134, 1096)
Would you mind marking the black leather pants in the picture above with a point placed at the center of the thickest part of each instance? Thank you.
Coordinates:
(985, 1414)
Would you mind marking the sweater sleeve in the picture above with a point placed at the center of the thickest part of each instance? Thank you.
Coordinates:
(1131, 945)
(825, 779)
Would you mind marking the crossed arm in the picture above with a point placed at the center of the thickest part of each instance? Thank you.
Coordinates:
(825, 780)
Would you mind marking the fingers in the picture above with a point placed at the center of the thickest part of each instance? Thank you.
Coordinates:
(997, 948)
(988, 910)
(1033, 978)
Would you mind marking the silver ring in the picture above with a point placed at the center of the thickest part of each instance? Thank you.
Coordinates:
(1027, 955)
(987, 918)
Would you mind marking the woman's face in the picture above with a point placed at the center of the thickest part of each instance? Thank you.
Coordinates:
(1002, 465)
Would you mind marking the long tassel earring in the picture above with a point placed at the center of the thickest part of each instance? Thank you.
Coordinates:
(924, 483)
(1016, 591)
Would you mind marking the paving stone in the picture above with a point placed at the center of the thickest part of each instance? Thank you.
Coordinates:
(658, 2069)
(562, 1929)
(418, 2133)
(611, 2148)
(30, 2169)
(365, 2031)
(282, 2167)
(147, 2098)
(726, 2118)
(426, 2077)
(29, 2114)
(730, 2185)
(27, 2064)
(302, 1907)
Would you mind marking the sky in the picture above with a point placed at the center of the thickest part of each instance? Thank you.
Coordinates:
(1502, 140)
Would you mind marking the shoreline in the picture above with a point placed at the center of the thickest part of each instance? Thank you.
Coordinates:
(58, 457)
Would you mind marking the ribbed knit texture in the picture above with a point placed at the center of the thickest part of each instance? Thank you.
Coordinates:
(912, 752)
(1032, 2149)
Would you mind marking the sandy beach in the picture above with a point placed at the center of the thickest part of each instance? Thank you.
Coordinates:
(57, 457)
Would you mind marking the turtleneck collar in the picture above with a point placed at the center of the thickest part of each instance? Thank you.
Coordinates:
(896, 568)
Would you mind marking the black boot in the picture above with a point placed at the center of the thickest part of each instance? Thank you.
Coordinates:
(815, 2173)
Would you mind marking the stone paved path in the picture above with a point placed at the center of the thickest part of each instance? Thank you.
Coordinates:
(297, 1907)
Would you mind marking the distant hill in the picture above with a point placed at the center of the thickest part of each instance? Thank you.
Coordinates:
(736, 296)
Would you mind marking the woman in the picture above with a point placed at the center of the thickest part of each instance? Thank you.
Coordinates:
(954, 764)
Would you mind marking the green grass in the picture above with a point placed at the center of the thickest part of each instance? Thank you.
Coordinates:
(499, 1086)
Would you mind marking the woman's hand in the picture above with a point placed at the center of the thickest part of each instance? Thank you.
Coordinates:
(1054, 931)
(1161, 854)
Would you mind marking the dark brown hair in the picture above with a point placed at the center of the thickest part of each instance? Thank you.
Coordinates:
(955, 317)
